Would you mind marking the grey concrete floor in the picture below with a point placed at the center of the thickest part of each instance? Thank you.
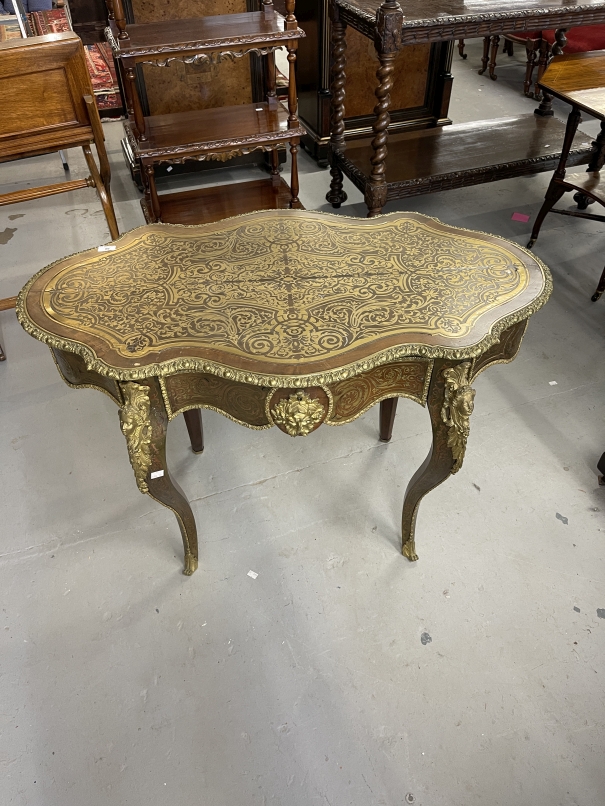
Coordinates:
(124, 683)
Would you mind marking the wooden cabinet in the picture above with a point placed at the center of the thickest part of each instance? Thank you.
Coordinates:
(421, 101)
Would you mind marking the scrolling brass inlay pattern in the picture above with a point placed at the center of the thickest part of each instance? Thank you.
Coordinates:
(356, 395)
(503, 352)
(136, 427)
(299, 414)
(457, 408)
(239, 401)
(75, 373)
(284, 289)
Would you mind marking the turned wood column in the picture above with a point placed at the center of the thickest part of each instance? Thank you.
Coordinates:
(389, 19)
(545, 108)
(338, 61)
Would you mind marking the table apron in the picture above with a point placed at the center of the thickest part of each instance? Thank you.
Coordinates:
(477, 26)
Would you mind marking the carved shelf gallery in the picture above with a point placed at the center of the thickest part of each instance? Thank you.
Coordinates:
(218, 134)
(391, 27)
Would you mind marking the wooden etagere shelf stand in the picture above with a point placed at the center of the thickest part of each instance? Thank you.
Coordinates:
(218, 134)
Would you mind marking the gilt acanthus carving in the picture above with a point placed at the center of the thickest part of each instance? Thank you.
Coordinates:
(457, 408)
(136, 427)
(299, 414)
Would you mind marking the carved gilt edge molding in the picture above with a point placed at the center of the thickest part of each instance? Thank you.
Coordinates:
(176, 365)
(136, 427)
(298, 415)
(322, 379)
(457, 408)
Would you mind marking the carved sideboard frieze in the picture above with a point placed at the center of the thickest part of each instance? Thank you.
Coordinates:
(215, 57)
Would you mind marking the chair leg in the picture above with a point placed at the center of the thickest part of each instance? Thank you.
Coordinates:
(2, 356)
(461, 49)
(485, 57)
(493, 56)
(509, 47)
(556, 187)
(99, 138)
(597, 293)
(532, 55)
(103, 192)
(545, 55)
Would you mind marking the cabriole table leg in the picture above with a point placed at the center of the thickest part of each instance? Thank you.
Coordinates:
(450, 404)
(144, 421)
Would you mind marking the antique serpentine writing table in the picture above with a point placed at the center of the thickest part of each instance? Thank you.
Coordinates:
(286, 318)
(453, 156)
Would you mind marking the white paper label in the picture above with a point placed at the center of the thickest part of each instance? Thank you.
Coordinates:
(157, 474)
(252, 574)
(107, 248)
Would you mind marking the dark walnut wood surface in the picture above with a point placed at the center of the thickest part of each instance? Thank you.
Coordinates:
(464, 154)
(440, 20)
(212, 129)
(201, 33)
(578, 79)
(287, 293)
(207, 204)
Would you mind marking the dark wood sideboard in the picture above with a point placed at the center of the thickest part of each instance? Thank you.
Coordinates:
(421, 101)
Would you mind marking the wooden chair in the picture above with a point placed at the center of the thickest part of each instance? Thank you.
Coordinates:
(536, 46)
(47, 104)
(577, 79)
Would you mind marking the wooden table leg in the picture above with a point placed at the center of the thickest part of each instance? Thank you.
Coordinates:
(485, 57)
(450, 404)
(495, 44)
(388, 409)
(389, 19)
(336, 195)
(193, 421)
(545, 108)
(144, 421)
(556, 189)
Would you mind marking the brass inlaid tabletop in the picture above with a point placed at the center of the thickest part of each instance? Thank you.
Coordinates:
(286, 293)
(288, 318)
